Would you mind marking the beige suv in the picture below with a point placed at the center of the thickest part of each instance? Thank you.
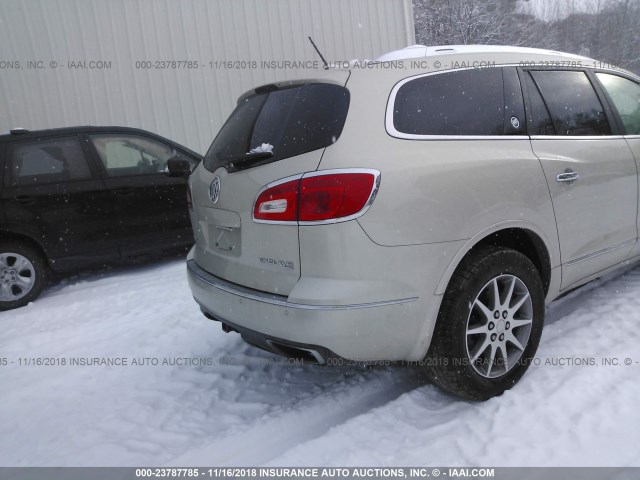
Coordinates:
(421, 208)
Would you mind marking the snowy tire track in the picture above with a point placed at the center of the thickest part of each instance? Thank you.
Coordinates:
(257, 411)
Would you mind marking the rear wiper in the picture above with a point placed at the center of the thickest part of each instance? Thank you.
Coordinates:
(248, 160)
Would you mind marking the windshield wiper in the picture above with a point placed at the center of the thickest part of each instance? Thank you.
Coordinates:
(248, 160)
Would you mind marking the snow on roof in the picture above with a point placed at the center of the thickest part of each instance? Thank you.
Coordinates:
(416, 51)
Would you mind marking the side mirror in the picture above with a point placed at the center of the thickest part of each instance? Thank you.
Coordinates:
(178, 167)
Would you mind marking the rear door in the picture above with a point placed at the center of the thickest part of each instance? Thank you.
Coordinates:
(150, 208)
(589, 168)
(295, 122)
(624, 95)
(54, 195)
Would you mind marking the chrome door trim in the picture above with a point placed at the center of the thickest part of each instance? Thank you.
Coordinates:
(601, 252)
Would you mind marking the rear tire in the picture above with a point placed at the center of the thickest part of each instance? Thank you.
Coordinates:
(484, 342)
(22, 274)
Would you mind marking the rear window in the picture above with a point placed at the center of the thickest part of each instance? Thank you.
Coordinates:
(287, 122)
(45, 161)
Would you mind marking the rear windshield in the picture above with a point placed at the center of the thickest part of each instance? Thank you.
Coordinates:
(287, 122)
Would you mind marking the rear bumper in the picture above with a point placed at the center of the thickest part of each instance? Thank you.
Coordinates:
(384, 330)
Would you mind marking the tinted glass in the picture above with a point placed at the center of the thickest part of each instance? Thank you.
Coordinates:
(124, 155)
(288, 122)
(572, 103)
(625, 96)
(466, 102)
(47, 161)
(537, 114)
(234, 137)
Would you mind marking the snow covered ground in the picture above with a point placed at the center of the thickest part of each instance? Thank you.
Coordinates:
(240, 406)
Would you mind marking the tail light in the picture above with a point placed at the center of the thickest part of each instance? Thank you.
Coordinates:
(327, 196)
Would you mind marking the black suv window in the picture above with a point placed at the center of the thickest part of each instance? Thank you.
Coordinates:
(287, 122)
(625, 96)
(47, 161)
(465, 102)
(572, 102)
(124, 154)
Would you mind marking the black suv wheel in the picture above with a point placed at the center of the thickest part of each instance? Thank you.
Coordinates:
(22, 274)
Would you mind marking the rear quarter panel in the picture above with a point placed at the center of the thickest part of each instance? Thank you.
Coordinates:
(435, 191)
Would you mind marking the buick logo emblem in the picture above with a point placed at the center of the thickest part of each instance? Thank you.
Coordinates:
(214, 190)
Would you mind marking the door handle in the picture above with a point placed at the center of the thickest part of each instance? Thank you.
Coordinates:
(568, 176)
(24, 200)
(124, 191)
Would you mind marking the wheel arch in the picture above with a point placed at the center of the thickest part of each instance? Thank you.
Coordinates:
(26, 239)
(525, 239)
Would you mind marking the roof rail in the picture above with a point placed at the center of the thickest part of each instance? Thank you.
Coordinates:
(416, 51)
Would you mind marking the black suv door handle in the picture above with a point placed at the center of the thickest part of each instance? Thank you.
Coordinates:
(124, 191)
(24, 200)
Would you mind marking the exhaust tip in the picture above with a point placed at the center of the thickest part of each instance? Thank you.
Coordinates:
(227, 329)
(307, 355)
(208, 315)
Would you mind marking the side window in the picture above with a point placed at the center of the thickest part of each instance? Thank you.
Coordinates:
(572, 102)
(625, 95)
(537, 114)
(126, 155)
(465, 102)
(47, 161)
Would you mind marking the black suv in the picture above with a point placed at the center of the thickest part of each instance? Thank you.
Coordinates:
(81, 196)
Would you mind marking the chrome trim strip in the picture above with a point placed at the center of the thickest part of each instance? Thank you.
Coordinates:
(278, 300)
(577, 137)
(411, 136)
(601, 252)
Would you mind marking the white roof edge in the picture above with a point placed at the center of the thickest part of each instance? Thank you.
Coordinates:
(417, 51)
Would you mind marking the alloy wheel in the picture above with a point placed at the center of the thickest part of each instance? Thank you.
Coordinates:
(17, 276)
(499, 326)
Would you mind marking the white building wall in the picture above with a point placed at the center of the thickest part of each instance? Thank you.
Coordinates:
(186, 105)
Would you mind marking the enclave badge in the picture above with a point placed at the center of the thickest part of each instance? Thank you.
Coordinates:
(214, 190)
